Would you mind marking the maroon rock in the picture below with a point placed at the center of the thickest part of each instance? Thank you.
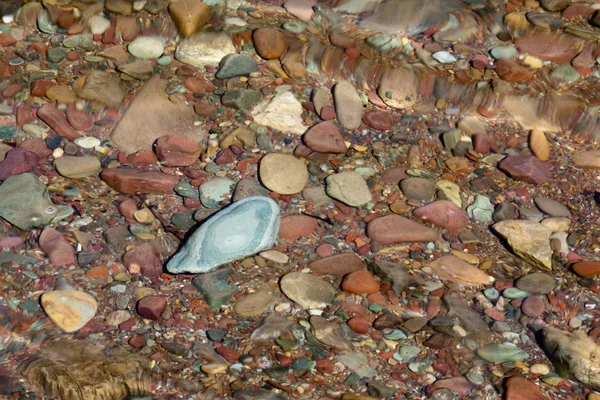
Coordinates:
(393, 176)
(24, 115)
(534, 306)
(482, 143)
(458, 384)
(327, 113)
(577, 10)
(39, 87)
(142, 158)
(79, 119)
(325, 366)
(136, 180)
(38, 147)
(17, 161)
(57, 121)
(224, 157)
(57, 248)
(6, 39)
(144, 259)
(151, 307)
(379, 120)
(337, 265)
(555, 46)
(519, 388)
(510, 71)
(127, 26)
(393, 229)
(527, 168)
(12, 90)
(228, 353)
(296, 226)
(325, 137)
(445, 214)
(177, 150)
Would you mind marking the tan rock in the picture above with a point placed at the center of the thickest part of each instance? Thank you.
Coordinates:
(283, 173)
(529, 240)
(70, 310)
(189, 15)
(270, 43)
(254, 304)
(539, 144)
(450, 268)
(587, 159)
(61, 94)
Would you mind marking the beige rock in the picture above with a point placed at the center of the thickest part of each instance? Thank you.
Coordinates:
(587, 159)
(539, 144)
(189, 15)
(283, 173)
(529, 240)
(61, 94)
(254, 304)
(282, 112)
(70, 310)
(100, 86)
(453, 269)
(77, 167)
(557, 224)
(308, 290)
(449, 191)
(329, 333)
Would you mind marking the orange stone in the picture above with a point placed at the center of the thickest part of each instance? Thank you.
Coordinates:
(360, 282)
(587, 268)
(359, 325)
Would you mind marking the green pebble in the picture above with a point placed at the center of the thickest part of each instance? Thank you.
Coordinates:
(8, 132)
(515, 293)
(55, 55)
(294, 27)
(94, 59)
(185, 189)
(165, 60)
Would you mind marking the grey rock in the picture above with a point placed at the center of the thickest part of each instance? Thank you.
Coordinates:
(234, 65)
(395, 273)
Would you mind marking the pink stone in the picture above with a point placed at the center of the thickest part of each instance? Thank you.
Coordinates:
(7, 40)
(57, 248)
(296, 226)
(527, 168)
(10, 242)
(393, 176)
(12, 90)
(38, 147)
(359, 325)
(510, 71)
(458, 384)
(79, 119)
(327, 113)
(143, 259)
(302, 9)
(127, 208)
(549, 46)
(393, 229)
(482, 143)
(584, 62)
(142, 158)
(57, 121)
(224, 157)
(151, 307)
(17, 161)
(24, 115)
(177, 150)
(325, 137)
(337, 265)
(534, 306)
(379, 120)
(445, 214)
(136, 180)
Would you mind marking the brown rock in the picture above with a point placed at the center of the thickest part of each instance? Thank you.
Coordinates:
(11, 90)
(526, 168)
(17, 161)
(79, 119)
(57, 121)
(24, 115)
(360, 282)
(189, 15)
(151, 307)
(142, 158)
(482, 143)
(57, 248)
(177, 151)
(136, 180)
(587, 159)
(294, 227)
(453, 269)
(6, 39)
(270, 43)
(379, 120)
(325, 137)
(359, 325)
(61, 94)
(520, 388)
(337, 265)
(393, 176)
(556, 46)
(445, 214)
(143, 259)
(586, 269)
(393, 229)
(510, 71)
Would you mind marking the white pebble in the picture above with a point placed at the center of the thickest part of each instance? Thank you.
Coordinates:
(88, 142)
(58, 152)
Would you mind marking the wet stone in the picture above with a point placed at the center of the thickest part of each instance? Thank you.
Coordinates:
(419, 189)
(308, 290)
(234, 65)
(537, 282)
(216, 291)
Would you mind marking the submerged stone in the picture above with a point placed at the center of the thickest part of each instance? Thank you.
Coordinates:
(25, 203)
(240, 230)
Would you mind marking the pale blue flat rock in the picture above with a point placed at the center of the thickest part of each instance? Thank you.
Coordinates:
(244, 228)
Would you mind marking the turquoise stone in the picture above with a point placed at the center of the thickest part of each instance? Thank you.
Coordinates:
(499, 353)
(244, 228)
(215, 191)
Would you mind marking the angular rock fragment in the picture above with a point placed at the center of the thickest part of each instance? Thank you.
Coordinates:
(129, 180)
(529, 240)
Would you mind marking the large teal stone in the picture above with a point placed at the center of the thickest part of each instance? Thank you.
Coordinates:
(25, 203)
(500, 353)
(244, 228)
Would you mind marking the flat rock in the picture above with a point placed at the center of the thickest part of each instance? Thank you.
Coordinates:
(177, 150)
(587, 268)
(216, 291)
(420, 189)
(57, 248)
(301, 9)
(146, 48)
(102, 87)
(587, 159)
(17, 161)
(445, 214)
(70, 310)
(348, 105)
(378, 120)
(152, 113)
(35, 212)
(242, 229)
(144, 259)
(215, 192)
(77, 167)
(528, 168)
(282, 112)
(520, 388)
(529, 240)
(534, 306)
(337, 265)
(329, 333)
(283, 173)
(557, 47)
(360, 282)
(453, 269)
(204, 48)
(56, 120)
(470, 320)
(393, 229)
(79, 119)
(233, 65)
(151, 307)
(254, 304)
(308, 290)
(349, 187)
(537, 283)
(500, 353)
(131, 180)
(294, 227)
(551, 207)
(325, 137)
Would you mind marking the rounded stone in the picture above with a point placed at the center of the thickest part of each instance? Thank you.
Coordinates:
(151, 307)
(216, 191)
(348, 105)
(325, 137)
(146, 48)
(349, 187)
(308, 290)
(359, 325)
(419, 189)
(360, 282)
(537, 283)
(551, 207)
(539, 144)
(534, 306)
(70, 310)
(77, 167)
(270, 43)
(283, 173)
(294, 227)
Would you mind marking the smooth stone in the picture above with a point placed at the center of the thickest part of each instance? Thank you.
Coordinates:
(469, 319)
(143, 259)
(149, 115)
(587, 159)
(515, 293)
(151, 307)
(294, 227)
(70, 310)
(189, 15)
(348, 105)
(241, 99)
(177, 150)
(102, 87)
(308, 290)
(499, 52)
(587, 269)
(146, 48)
(301, 9)
(283, 112)
(555, 5)
(283, 173)
(77, 167)
(129, 180)
(79, 119)
(551, 207)
(216, 291)
(88, 142)
(500, 353)
(526, 168)
(349, 187)
(379, 120)
(254, 304)
(557, 224)
(537, 282)
(142, 70)
(55, 118)
(57, 248)
(394, 273)
(337, 265)
(534, 306)
(420, 189)
(204, 48)
(544, 20)
(270, 43)
(444, 57)
(234, 65)
(520, 388)
(481, 209)
(549, 46)
(360, 282)
(454, 269)
(565, 74)
(449, 191)
(357, 362)
(248, 187)
(242, 229)
(443, 213)
(18, 161)
(392, 229)
(37, 212)
(459, 385)
(539, 144)
(98, 25)
(325, 137)
(84, 41)
(216, 191)
(529, 240)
